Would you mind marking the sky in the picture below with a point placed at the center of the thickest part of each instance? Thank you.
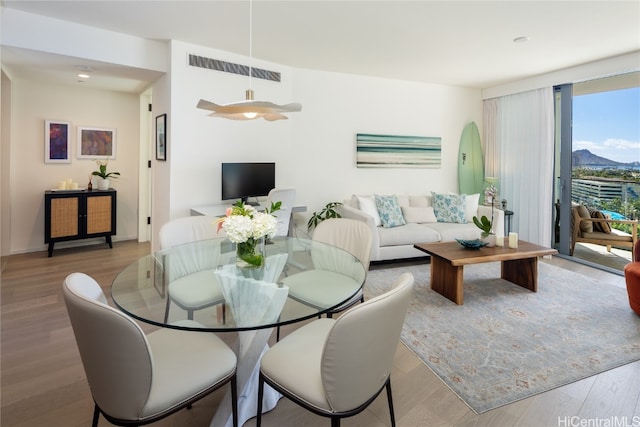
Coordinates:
(608, 124)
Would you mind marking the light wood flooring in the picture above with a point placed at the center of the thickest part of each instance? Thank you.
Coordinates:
(43, 383)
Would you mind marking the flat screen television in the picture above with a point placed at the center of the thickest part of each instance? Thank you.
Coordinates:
(244, 180)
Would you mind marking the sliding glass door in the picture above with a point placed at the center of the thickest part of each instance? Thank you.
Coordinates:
(597, 162)
(562, 168)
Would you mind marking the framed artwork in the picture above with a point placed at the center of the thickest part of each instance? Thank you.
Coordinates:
(397, 151)
(161, 137)
(96, 142)
(57, 148)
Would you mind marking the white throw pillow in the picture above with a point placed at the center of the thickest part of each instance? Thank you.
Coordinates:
(419, 215)
(403, 200)
(367, 204)
(471, 206)
(420, 201)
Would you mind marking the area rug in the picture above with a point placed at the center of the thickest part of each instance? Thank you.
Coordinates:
(507, 343)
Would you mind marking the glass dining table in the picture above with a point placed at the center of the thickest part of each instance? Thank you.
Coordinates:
(301, 279)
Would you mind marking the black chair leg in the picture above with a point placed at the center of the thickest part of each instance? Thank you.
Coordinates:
(166, 310)
(390, 400)
(335, 421)
(260, 394)
(234, 399)
(96, 415)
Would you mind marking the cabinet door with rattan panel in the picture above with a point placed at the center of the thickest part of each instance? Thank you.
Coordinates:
(73, 215)
(65, 213)
(99, 215)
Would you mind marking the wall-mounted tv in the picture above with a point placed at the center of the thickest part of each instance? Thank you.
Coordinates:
(244, 180)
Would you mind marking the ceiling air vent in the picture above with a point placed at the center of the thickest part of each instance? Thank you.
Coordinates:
(229, 67)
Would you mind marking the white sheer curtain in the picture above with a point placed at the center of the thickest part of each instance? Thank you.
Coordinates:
(519, 149)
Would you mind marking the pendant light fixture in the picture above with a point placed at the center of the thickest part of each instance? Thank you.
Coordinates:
(250, 109)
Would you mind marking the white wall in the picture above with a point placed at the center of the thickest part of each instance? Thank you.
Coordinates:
(338, 106)
(5, 151)
(198, 144)
(314, 150)
(33, 103)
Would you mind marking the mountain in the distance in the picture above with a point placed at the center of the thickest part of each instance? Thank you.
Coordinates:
(587, 158)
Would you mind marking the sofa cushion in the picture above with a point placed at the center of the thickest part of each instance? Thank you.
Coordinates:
(403, 200)
(449, 232)
(604, 227)
(389, 211)
(471, 202)
(615, 235)
(367, 204)
(585, 226)
(408, 234)
(419, 201)
(419, 215)
(449, 207)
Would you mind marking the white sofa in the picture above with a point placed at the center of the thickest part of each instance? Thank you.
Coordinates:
(422, 225)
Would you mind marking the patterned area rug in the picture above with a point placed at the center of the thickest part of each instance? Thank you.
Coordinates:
(507, 343)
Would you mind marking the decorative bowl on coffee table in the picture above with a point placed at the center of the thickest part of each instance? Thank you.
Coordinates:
(472, 244)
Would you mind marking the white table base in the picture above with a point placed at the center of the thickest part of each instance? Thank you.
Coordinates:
(253, 344)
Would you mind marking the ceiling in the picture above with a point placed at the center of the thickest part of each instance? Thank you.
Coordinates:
(462, 43)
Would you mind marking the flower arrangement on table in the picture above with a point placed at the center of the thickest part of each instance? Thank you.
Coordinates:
(246, 227)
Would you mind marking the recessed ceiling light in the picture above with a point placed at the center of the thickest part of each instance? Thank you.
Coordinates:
(84, 76)
(522, 39)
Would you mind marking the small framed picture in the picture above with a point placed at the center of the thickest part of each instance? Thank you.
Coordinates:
(96, 142)
(161, 137)
(57, 148)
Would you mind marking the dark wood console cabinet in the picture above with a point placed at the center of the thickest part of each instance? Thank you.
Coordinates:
(72, 215)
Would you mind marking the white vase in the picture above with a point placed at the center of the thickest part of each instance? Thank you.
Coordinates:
(103, 183)
(490, 239)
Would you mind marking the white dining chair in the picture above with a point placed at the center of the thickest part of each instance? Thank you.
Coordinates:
(287, 197)
(190, 282)
(138, 379)
(337, 367)
(334, 271)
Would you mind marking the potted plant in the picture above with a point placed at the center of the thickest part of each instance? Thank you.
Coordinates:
(103, 175)
(329, 211)
(486, 225)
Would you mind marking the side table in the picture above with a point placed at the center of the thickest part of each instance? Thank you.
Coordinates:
(507, 222)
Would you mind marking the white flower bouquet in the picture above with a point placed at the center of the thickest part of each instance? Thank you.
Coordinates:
(246, 227)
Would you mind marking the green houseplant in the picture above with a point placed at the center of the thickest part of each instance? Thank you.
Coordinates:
(103, 182)
(329, 211)
(483, 224)
(486, 225)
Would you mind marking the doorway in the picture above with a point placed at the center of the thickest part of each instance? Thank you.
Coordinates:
(597, 163)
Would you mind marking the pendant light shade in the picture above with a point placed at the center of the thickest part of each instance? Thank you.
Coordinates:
(250, 109)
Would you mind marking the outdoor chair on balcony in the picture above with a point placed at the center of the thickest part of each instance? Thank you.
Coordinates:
(632, 279)
(593, 227)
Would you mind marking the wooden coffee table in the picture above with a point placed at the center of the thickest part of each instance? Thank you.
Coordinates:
(448, 259)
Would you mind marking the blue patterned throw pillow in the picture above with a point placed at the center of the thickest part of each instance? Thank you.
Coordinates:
(449, 207)
(389, 211)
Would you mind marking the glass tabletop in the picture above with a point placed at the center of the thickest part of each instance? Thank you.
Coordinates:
(300, 279)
